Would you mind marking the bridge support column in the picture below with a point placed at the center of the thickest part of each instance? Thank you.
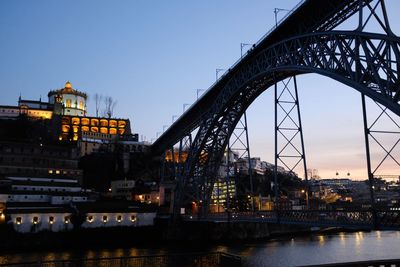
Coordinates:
(289, 141)
(239, 144)
(389, 150)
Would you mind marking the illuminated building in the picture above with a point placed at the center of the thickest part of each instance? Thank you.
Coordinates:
(66, 108)
(73, 101)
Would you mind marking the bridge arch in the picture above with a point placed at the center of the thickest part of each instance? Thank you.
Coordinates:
(367, 62)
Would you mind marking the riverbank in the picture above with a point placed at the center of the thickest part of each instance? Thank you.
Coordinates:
(152, 236)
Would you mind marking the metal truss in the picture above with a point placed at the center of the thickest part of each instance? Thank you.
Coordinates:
(367, 62)
(239, 145)
(374, 133)
(289, 142)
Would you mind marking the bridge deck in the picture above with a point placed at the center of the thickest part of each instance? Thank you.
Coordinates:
(307, 16)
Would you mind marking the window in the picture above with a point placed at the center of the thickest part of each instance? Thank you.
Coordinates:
(89, 218)
(18, 220)
(68, 103)
(119, 218)
(80, 104)
(51, 220)
(35, 220)
(105, 218)
(66, 219)
(85, 121)
(75, 121)
(133, 218)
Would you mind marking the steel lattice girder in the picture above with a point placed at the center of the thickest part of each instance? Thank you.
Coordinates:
(367, 62)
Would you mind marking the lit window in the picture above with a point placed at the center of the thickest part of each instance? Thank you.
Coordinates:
(113, 123)
(85, 121)
(104, 130)
(121, 124)
(95, 122)
(85, 129)
(35, 220)
(66, 219)
(103, 122)
(18, 220)
(105, 218)
(68, 103)
(89, 219)
(133, 218)
(65, 128)
(57, 171)
(50, 171)
(113, 131)
(94, 129)
(80, 104)
(119, 218)
(75, 121)
(51, 220)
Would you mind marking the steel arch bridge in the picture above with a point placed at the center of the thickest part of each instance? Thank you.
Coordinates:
(365, 61)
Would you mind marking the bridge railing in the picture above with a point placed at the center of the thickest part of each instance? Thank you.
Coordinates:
(358, 218)
(258, 42)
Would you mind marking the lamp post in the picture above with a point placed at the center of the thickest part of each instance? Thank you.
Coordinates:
(276, 11)
(242, 45)
(198, 91)
(218, 71)
(184, 106)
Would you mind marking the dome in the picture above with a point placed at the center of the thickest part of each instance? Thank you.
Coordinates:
(67, 90)
(68, 85)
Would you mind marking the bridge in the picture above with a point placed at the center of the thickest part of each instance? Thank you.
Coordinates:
(305, 41)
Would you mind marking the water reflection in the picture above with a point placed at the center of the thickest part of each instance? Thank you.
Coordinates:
(307, 250)
(321, 240)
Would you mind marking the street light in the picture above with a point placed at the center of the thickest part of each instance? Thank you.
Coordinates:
(184, 106)
(218, 71)
(276, 11)
(199, 90)
(241, 48)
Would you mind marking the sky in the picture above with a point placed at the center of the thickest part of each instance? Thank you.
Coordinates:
(152, 56)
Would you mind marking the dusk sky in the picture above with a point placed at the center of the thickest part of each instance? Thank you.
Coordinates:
(152, 56)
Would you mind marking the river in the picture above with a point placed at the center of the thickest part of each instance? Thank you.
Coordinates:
(299, 250)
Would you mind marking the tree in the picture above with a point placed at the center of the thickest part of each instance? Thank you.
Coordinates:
(110, 104)
(97, 99)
